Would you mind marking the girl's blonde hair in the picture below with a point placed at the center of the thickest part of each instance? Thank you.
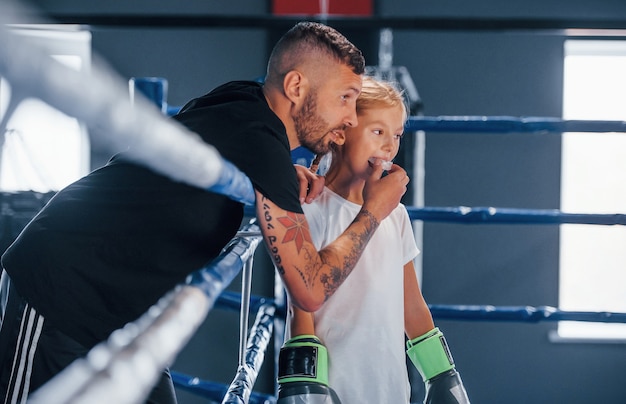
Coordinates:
(377, 93)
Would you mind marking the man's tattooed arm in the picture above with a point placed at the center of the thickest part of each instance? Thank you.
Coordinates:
(311, 277)
(337, 274)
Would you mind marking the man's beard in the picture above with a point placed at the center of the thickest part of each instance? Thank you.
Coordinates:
(311, 129)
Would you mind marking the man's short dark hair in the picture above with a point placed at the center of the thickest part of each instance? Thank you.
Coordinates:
(312, 37)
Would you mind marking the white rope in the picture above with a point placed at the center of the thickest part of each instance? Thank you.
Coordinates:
(125, 367)
(100, 98)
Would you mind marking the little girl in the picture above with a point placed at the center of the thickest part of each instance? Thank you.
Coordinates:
(363, 325)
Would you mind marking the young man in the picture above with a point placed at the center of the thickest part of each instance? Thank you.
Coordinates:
(110, 245)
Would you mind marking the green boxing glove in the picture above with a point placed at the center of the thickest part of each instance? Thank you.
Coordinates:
(431, 356)
(303, 359)
(303, 372)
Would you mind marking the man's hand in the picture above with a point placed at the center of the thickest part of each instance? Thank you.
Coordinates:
(311, 184)
(382, 195)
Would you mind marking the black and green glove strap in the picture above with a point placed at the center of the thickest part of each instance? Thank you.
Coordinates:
(303, 359)
(430, 354)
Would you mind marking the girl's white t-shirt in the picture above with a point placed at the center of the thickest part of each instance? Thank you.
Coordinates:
(362, 324)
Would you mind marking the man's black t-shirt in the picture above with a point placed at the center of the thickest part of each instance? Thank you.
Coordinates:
(108, 246)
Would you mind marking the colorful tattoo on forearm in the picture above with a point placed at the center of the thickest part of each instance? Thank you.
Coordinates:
(296, 225)
(297, 232)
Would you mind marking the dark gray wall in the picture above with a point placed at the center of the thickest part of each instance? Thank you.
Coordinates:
(514, 72)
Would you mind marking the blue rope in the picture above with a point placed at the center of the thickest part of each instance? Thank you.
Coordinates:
(260, 336)
(215, 277)
(234, 184)
(520, 314)
(232, 301)
(212, 390)
(484, 312)
(465, 214)
(509, 124)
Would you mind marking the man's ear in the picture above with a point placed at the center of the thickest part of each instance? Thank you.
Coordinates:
(295, 86)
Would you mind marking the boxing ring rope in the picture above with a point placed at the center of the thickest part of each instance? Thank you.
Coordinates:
(240, 389)
(124, 368)
(509, 124)
(464, 214)
(100, 99)
(526, 314)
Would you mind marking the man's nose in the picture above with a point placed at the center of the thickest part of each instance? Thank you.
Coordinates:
(351, 119)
